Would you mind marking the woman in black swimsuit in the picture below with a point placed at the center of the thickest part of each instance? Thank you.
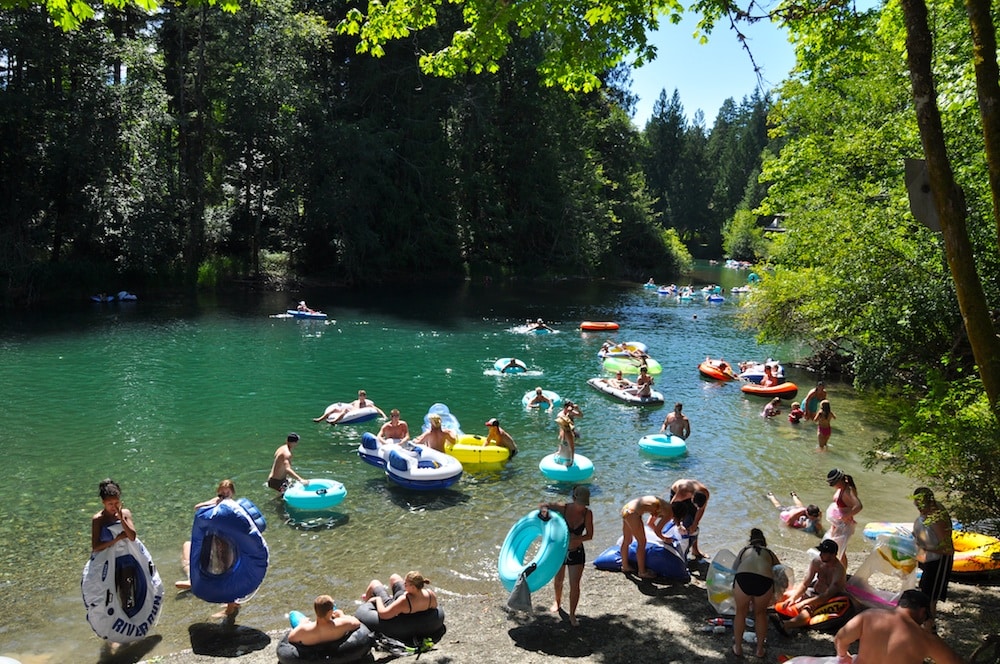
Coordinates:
(753, 585)
(408, 595)
(580, 521)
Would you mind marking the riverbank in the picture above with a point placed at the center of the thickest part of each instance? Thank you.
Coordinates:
(621, 620)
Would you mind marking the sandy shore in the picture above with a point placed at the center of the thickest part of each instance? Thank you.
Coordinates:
(621, 620)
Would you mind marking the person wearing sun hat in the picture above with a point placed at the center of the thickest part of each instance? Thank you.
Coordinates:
(497, 436)
(843, 507)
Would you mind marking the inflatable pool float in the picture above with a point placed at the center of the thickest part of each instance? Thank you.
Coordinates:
(715, 298)
(352, 648)
(374, 452)
(473, 450)
(664, 445)
(419, 467)
(650, 286)
(713, 369)
(410, 628)
(873, 529)
(229, 556)
(530, 394)
(667, 561)
(125, 296)
(319, 494)
(581, 470)
(355, 647)
(666, 290)
(627, 395)
(448, 421)
(598, 326)
(102, 298)
(831, 615)
(295, 313)
(502, 365)
(630, 365)
(976, 554)
(122, 590)
(719, 582)
(549, 556)
(622, 350)
(782, 391)
(355, 416)
(755, 372)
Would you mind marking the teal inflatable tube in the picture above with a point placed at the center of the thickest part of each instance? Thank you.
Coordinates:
(548, 558)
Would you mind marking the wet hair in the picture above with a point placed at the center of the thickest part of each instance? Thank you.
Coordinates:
(323, 605)
(108, 488)
(757, 538)
(813, 511)
(292, 438)
(417, 579)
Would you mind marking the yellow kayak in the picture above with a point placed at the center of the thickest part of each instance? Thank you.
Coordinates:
(975, 553)
(473, 450)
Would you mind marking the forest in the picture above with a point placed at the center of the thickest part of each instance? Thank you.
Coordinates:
(190, 146)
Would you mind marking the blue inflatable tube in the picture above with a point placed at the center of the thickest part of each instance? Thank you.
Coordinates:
(410, 628)
(549, 557)
(554, 468)
(229, 556)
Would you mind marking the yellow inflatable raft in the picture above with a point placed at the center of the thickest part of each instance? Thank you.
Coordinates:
(975, 553)
(472, 450)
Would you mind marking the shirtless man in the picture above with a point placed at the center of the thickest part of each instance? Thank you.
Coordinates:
(894, 636)
(825, 579)
(359, 403)
(436, 437)
(811, 404)
(393, 431)
(330, 625)
(540, 399)
(644, 384)
(497, 436)
(697, 494)
(621, 382)
(282, 467)
(677, 423)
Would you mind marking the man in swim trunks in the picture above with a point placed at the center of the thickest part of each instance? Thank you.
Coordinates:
(825, 579)
(330, 625)
(696, 494)
(816, 394)
(895, 636)
(395, 430)
(359, 403)
(497, 436)
(436, 438)
(677, 423)
(282, 467)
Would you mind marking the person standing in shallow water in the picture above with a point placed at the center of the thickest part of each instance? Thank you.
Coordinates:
(113, 513)
(824, 424)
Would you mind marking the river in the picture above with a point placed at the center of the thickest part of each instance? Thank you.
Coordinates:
(170, 397)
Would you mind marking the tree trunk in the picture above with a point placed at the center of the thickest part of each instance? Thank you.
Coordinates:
(949, 202)
(984, 49)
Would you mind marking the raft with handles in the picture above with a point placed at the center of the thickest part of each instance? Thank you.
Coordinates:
(548, 558)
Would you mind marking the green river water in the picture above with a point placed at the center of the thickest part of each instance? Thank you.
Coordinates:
(168, 398)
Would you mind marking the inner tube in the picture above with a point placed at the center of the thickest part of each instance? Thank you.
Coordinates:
(549, 557)
(352, 648)
(663, 445)
(410, 628)
(530, 394)
(554, 468)
(503, 365)
(829, 616)
(122, 591)
(229, 556)
(319, 494)
(598, 325)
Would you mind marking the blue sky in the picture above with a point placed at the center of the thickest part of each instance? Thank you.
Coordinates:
(705, 75)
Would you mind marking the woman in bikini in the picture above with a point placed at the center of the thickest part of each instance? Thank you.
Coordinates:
(408, 595)
(824, 423)
(753, 584)
(662, 512)
(580, 521)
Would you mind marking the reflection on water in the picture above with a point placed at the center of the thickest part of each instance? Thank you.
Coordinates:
(170, 400)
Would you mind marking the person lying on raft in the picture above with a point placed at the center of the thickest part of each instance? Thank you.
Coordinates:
(808, 518)
(340, 411)
(330, 625)
(408, 595)
(825, 579)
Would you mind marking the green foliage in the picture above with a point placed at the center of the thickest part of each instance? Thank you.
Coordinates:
(949, 437)
(743, 239)
(215, 271)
